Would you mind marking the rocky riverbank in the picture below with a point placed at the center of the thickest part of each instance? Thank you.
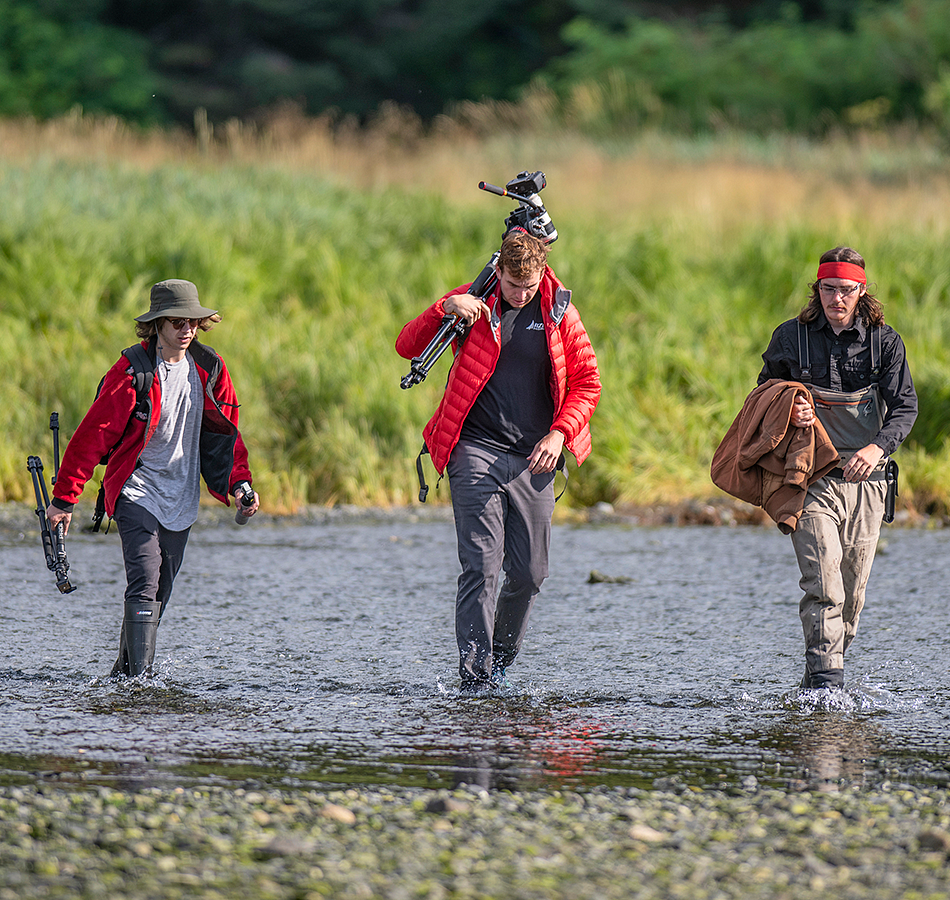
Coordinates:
(83, 841)
(18, 520)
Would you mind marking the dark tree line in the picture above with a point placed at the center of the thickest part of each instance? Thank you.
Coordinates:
(159, 60)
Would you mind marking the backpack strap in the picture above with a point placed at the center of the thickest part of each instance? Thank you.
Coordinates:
(562, 299)
(562, 468)
(423, 487)
(142, 361)
(143, 369)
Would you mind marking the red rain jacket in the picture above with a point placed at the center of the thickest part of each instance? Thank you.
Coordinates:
(109, 424)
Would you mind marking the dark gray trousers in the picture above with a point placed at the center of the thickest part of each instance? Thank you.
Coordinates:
(503, 523)
(153, 556)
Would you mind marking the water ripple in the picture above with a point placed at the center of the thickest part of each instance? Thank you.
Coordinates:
(324, 655)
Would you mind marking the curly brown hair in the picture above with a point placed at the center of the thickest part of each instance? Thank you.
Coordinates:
(869, 307)
(145, 330)
(522, 255)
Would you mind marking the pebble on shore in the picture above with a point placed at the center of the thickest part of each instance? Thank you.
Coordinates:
(85, 841)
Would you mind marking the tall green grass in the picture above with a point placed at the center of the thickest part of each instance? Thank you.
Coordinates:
(315, 274)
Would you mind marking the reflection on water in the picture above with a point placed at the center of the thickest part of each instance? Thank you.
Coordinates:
(324, 655)
(833, 748)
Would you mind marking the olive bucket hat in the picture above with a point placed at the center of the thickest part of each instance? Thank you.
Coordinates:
(175, 299)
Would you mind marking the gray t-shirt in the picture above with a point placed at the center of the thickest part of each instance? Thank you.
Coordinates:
(166, 481)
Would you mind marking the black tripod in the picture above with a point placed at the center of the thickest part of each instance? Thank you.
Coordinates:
(53, 540)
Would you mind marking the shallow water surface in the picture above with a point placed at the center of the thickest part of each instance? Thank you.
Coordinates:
(324, 654)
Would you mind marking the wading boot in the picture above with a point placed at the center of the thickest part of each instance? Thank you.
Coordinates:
(137, 641)
(828, 678)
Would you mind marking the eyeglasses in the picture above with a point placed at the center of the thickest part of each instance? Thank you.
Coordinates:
(845, 292)
(178, 324)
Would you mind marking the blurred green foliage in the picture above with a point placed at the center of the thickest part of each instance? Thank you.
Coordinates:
(233, 57)
(55, 55)
(315, 280)
(889, 64)
(614, 65)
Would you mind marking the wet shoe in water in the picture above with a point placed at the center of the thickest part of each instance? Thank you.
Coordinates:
(499, 678)
(828, 678)
(470, 688)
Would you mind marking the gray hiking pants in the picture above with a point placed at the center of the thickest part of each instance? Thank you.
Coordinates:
(835, 542)
(503, 522)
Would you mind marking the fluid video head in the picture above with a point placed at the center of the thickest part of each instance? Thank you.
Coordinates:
(531, 216)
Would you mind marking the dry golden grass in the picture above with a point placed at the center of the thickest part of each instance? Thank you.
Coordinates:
(725, 182)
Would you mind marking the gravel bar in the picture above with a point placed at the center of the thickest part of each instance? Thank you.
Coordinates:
(214, 842)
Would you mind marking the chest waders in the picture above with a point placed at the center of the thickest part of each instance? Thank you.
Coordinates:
(852, 418)
(838, 531)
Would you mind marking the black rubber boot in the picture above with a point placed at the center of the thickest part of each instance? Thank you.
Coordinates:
(138, 638)
(829, 678)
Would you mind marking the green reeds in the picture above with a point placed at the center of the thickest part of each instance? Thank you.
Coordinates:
(680, 269)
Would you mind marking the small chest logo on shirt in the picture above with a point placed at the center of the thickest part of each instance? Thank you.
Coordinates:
(535, 326)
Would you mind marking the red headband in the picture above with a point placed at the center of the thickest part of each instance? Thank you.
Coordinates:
(842, 270)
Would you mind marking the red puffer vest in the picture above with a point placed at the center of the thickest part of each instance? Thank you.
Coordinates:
(575, 381)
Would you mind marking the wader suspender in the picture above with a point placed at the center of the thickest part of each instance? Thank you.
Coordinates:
(804, 364)
(804, 360)
(891, 470)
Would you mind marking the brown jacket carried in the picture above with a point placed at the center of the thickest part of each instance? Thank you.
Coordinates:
(766, 461)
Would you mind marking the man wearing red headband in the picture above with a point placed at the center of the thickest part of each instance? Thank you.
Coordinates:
(856, 370)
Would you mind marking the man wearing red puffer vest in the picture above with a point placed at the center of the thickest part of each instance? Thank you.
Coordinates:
(523, 385)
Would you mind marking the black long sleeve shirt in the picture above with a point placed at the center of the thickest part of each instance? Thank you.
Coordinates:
(842, 362)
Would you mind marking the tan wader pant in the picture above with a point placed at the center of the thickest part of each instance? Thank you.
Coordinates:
(835, 542)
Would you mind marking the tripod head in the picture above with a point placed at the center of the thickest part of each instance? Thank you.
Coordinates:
(531, 216)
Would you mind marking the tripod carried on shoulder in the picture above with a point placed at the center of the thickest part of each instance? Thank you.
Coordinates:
(530, 216)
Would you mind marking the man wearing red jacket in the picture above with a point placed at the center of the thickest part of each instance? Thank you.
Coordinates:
(158, 447)
(523, 385)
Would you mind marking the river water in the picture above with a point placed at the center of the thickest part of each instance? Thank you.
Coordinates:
(322, 654)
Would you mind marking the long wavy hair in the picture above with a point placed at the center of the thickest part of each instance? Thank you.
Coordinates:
(869, 307)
